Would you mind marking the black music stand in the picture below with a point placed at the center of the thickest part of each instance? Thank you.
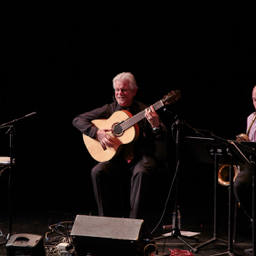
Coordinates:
(249, 150)
(216, 150)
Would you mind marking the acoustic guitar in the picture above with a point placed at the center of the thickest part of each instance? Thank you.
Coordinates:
(124, 129)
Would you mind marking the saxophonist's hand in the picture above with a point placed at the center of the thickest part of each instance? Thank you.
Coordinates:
(242, 137)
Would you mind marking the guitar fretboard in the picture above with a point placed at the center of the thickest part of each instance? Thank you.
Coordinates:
(136, 118)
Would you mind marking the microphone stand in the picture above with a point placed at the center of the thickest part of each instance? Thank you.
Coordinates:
(11, 132)
(175, 230)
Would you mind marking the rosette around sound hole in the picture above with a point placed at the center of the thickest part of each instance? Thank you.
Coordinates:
(117, 129)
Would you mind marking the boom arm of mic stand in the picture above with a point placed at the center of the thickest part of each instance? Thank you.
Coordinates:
(15, 120)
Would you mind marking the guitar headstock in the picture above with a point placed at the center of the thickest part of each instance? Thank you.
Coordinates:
(171, 97)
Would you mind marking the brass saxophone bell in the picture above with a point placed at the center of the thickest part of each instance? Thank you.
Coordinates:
(223, 174)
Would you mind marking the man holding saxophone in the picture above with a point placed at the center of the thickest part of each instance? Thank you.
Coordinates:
(243, 182)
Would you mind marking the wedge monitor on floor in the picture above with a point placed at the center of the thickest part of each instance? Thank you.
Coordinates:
(93, 234)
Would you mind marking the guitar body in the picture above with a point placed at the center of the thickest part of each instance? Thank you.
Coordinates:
(94, 147)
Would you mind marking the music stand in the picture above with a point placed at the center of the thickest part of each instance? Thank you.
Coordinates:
(216, 150)
(249, 150)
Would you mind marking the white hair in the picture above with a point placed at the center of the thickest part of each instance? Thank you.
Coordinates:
(126, 76)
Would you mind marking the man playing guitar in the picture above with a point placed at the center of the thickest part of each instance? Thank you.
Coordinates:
(135, 160)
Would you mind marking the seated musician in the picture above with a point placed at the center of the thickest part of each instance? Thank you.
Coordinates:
(137, 166)
(243, 182)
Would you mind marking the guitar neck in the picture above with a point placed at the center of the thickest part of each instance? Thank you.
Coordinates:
(138, 117)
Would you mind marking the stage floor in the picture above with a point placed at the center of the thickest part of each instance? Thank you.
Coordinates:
(56, 226)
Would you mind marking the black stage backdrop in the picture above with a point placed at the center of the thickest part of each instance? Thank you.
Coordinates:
(59, 59)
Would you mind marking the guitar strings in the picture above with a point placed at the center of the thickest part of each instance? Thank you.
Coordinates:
(136, 118)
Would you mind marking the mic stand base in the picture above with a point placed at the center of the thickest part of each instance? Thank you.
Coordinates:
(177, 234)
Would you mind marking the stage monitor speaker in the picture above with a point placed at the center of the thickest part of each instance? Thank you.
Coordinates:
(25, 244)
(109, 236)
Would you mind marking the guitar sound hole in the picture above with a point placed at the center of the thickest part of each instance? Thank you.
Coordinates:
(117, 130)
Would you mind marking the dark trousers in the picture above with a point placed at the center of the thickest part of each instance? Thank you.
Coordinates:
(243, 189)
(106, 177)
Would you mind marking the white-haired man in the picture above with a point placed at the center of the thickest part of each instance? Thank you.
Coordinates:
(143, 164)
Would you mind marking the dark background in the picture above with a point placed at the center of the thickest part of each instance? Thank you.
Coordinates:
(59, 60)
